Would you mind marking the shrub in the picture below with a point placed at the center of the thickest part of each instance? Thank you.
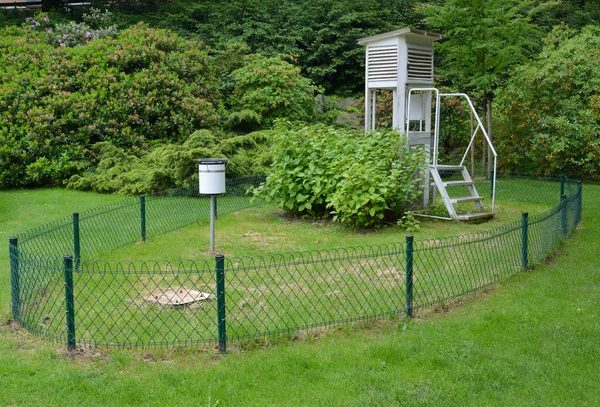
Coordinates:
(550, 118)
(96, 25)
(360, 179)
(272, 88)
(171, 165)
(143, 87)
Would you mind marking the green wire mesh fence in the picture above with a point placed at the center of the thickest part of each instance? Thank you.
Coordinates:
(61, 290)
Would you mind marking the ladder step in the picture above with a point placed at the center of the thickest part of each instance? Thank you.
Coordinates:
(458, 183)
(475, 216)
(449, 167)
(466, 199)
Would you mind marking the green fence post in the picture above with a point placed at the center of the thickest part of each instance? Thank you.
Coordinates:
(143, 216)
(69, 302)
(491, 183)
(13, 246)
(579, 202)
(562, 186)
(409, 276)
(525, 240)
(221, 324)
(76, 242)
(563, 207)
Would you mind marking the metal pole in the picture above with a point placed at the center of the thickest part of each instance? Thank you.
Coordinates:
(216, 208)
(212, 223)
(221, 322)
(492, 181)
(69, 302)
(143, 216)
(76, 242)
(524, 240)
(562, 186)
(13, 246)
(409, 276)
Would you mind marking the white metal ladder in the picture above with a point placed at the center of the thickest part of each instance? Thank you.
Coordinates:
(466, 181)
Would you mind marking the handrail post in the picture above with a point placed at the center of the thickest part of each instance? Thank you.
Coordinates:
(221, 322)
(409, 276)
(525, 240)
(69, 303)
(143, 217)
(76, 240)
(15, 286)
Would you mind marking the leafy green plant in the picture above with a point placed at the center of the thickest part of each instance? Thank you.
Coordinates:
(271, 88)
(409, 223)
(141, 88)
(362, 180)
(551, 109)
(171, 165)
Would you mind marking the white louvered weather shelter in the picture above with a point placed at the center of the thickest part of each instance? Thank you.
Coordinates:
(400, 60)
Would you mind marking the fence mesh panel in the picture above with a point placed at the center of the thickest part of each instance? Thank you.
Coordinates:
(146, 303)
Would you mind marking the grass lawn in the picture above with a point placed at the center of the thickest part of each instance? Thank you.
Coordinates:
(529, 341)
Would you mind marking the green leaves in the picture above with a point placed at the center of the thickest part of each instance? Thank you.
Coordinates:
(550, 120)
(271, 88)
(362, 180)
(135, 90)
(483, 39)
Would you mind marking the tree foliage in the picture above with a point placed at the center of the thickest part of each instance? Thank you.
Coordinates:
(321, 34)
(550, 120)
(483, 40)
(271, 88)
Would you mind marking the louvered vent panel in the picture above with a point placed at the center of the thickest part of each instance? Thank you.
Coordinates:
(420, 64)
(382, 63)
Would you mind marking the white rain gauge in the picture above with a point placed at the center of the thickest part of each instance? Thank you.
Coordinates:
(211, 173)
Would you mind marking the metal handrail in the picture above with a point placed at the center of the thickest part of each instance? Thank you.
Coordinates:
(437, 129)
(489, 142)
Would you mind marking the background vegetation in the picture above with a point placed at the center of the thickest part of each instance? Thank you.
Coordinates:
(146, 75)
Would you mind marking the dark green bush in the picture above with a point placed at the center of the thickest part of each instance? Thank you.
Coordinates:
(172, 165)
(271, 88)
(142, 87)
(360, 179)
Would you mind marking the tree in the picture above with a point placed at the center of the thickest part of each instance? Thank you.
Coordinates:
(484, 41)
(550, 121)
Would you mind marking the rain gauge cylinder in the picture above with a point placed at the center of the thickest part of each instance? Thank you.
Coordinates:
(211, 173)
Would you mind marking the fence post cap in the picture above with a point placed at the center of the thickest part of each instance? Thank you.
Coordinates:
(409, 238)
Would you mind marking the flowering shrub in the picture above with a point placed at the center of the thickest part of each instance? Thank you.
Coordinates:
(139, 88)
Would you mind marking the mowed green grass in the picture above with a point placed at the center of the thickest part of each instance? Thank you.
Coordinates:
(529, 341)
